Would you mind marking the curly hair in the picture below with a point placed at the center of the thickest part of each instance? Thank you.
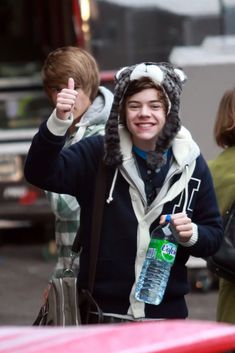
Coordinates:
(167, 81)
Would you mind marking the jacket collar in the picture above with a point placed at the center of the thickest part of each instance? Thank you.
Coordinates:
(185, 149)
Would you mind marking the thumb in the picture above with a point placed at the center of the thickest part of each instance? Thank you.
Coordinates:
(71, 83)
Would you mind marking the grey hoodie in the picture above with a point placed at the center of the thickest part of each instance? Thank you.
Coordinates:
(66, 207)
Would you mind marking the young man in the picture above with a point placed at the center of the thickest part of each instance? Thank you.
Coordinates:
(153, 167)
(90, 112)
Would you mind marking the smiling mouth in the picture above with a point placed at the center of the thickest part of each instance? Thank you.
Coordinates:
(145, 125)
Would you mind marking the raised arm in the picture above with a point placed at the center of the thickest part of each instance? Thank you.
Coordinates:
(46, 164)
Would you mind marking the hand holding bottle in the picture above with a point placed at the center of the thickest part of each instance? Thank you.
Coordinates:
(182, 225)
(155, 272)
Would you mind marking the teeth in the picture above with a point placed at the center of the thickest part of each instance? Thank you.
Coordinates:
(145, 125)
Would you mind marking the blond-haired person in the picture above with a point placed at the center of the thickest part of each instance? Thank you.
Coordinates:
(90, 112)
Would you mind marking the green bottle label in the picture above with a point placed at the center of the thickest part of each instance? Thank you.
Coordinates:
(162, 250)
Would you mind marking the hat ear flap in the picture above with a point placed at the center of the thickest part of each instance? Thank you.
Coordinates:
(118, 74)
(112, 156)
(181, 74)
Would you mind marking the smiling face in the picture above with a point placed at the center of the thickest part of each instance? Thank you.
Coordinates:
(145, 117)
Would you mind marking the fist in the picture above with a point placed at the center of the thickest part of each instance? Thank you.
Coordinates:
(182, 224)
(65, 101)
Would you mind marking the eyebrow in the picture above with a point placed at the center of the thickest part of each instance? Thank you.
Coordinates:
(151, 101)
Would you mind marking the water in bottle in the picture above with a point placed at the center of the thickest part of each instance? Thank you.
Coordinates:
(152, 282)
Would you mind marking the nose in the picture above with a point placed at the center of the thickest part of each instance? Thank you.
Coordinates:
(145, 111)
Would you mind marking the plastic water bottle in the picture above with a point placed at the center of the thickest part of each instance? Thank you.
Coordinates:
(161, 253)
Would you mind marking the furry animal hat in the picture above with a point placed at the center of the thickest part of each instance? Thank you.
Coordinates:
(170, 79)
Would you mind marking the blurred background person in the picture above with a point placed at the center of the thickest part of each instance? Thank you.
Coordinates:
(223, 172)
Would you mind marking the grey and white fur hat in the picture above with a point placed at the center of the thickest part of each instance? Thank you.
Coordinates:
(171, 80)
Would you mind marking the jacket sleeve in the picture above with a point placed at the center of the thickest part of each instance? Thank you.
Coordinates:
(206, 214)
(64, 171)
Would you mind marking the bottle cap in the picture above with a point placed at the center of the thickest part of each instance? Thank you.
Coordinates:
(168, 218)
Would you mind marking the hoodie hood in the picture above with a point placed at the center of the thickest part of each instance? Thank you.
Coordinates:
(185, 149)
(99, 110)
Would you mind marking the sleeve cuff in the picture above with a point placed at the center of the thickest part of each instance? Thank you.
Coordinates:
(193, 238)
(57, 126)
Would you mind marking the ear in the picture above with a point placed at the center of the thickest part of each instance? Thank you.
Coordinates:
(154, 72)
(120, 71)
(181, 74)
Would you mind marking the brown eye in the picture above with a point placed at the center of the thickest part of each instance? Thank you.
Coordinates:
(56, 89)
(133, 106)
(157, 106)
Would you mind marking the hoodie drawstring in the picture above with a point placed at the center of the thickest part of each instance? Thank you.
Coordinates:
(80, 133)
(110, 198)
(186, 189)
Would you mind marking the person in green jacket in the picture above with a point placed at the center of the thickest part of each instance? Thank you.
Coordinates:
(223, 172)
(90, 112)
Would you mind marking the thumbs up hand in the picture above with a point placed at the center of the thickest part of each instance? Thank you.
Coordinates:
(65, 100)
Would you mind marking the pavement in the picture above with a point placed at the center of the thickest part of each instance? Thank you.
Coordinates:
(24, 274)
